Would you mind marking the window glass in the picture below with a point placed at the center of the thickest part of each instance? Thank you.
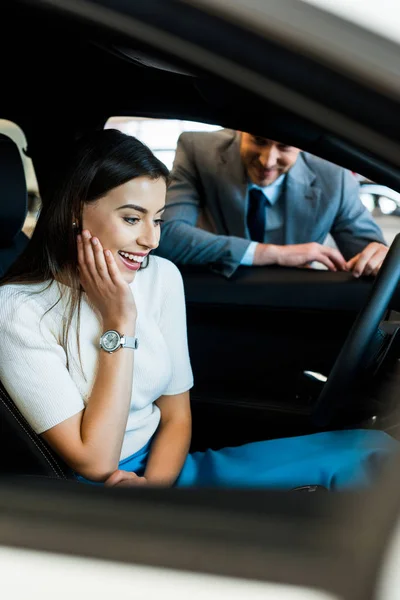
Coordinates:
(384, 205)
(160, 135)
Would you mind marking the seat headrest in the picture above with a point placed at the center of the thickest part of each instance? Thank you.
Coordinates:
(13, 192)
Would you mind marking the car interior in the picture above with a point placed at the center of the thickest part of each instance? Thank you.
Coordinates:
(289, 324)
(319, 350)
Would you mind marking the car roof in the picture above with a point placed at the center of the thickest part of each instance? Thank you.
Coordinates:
(84, 63)
(379, 17)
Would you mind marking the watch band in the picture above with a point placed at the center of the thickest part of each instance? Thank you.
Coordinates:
(129, 342)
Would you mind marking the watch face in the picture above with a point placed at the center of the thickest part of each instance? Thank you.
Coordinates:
(110, 341)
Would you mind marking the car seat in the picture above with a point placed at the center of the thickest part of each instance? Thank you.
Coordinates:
(13, 203)
(22, 451)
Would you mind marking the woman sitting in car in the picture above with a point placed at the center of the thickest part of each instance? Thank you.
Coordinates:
(94, 346)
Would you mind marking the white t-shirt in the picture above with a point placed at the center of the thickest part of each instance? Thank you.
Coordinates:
(33, 364)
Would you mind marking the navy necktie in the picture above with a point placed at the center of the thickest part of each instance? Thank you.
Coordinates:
(256, 215)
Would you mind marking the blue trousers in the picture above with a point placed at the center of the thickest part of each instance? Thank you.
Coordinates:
(337, 460)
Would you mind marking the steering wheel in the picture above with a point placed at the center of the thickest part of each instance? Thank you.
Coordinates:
(354, 352)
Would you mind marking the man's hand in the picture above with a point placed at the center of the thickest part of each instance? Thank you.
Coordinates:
(299, 255)
(125, 479)
(369, 261)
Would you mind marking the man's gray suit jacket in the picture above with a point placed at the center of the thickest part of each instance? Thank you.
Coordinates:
(207, 200)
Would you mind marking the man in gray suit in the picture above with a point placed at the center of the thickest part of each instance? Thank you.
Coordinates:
(240, 199)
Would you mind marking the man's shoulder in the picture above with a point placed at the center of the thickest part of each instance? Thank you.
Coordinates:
(320, 166)
(208, 139)
(333, 180)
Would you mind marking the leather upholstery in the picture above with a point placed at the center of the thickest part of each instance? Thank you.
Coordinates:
(22, 451)
(13, 203)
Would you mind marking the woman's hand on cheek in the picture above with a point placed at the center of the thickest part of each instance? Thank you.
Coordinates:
(125, 479)
(103, 283)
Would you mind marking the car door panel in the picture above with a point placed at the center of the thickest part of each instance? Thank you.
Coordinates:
(252, 337)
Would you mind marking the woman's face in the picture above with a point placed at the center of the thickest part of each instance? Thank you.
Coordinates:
(127, 221)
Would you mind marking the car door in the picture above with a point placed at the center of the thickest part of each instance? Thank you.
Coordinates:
(305, 545)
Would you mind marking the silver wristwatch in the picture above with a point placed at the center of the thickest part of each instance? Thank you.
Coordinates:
(112, 340)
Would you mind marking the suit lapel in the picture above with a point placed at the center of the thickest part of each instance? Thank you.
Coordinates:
(232, 188)
(302, 196)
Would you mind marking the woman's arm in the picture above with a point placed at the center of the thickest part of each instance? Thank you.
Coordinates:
(172, 439)
(169, 448)
(90, 441)
(171, 443)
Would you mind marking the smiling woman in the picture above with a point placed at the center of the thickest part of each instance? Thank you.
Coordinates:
(129, 230)
(107, 169)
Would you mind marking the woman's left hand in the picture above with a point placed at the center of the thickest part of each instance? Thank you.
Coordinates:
(125, 479)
